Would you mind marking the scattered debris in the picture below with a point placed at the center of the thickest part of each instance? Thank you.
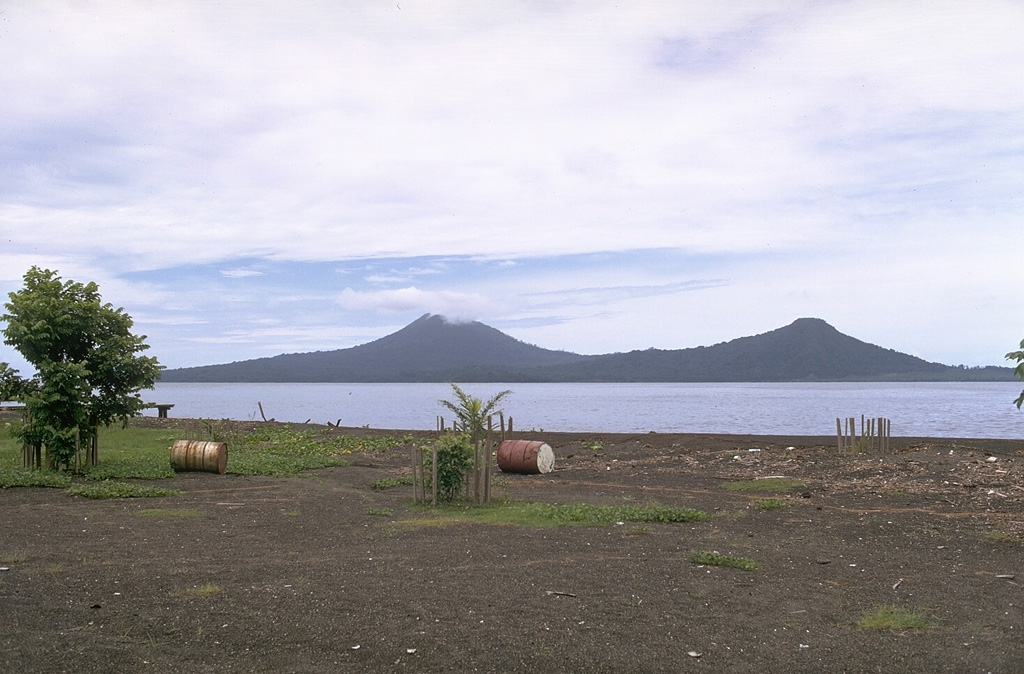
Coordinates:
(898, 583)
(694, 654)
(559, 594)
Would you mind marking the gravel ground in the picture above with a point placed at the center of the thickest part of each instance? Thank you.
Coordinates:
(303, 574)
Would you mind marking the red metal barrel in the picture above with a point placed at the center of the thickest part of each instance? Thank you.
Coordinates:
(526, 456)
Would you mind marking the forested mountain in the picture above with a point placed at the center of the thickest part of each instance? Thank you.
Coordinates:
(432, 349)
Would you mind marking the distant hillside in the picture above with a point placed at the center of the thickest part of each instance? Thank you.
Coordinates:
(428, 349)
(431, 349)
(809, 349)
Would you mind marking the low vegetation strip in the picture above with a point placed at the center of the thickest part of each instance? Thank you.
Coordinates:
(133, 453)
(548, 515)
(772, 485)
(890, 617)
(283, 451)
(708, 558)
(108, 489)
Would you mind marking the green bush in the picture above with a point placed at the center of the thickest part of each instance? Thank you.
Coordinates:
(454, 458)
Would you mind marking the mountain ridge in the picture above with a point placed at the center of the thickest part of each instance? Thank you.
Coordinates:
(433, 349)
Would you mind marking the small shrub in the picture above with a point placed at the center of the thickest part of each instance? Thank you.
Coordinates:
(454, 458)
(715, 559)
(892, 618)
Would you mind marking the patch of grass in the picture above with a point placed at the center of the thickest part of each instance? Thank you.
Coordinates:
(19, 477)
(204, 591)
(135, 453)
(380, 512)
(890, 617)
(125, 453)
(109, 489)
(170, 512)
(594, 446)
(14, 557)
(541, 515)
(391, 482)
(775, 485)
(715, 559)
(141, 467)
(998, 536)
(771, 504)
(283, 450)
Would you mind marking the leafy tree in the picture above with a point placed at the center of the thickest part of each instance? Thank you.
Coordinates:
(12, 387)
(472, 412)
(88, 371)
(1019, 370)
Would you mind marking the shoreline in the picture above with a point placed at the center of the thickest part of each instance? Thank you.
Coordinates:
(558, 438)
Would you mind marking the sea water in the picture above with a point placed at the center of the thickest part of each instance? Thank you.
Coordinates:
(946, 409)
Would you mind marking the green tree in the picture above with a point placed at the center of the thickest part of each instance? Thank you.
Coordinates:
(11, 385)
(1019, 370)
(472, 412)
(88, 371)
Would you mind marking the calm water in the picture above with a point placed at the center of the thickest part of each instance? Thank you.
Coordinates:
(975, 409)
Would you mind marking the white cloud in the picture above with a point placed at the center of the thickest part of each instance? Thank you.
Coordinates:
(454, 305)
(141, 136)
(240, 273)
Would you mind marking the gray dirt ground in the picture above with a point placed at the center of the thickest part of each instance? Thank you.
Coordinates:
(296, 575)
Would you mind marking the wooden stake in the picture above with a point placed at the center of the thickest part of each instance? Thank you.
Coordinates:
(433, 481)
(487, 461)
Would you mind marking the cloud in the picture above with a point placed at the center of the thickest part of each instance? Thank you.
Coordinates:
(240, 273)
(455, 305)
(491, 146)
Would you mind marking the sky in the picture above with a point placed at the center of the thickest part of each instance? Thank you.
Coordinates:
(253, 178)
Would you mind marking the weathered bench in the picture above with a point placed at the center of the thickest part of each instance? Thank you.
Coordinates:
(161, 409)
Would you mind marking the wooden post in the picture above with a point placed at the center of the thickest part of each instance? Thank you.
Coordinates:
(487, 460)
(78, 451)
(412, 463)
(433, 477)
(476, 472)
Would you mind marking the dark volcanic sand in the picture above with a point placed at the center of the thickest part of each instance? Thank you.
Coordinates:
(304, 579)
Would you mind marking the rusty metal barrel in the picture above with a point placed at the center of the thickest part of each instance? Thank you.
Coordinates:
(208, 457)
(526, 456)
